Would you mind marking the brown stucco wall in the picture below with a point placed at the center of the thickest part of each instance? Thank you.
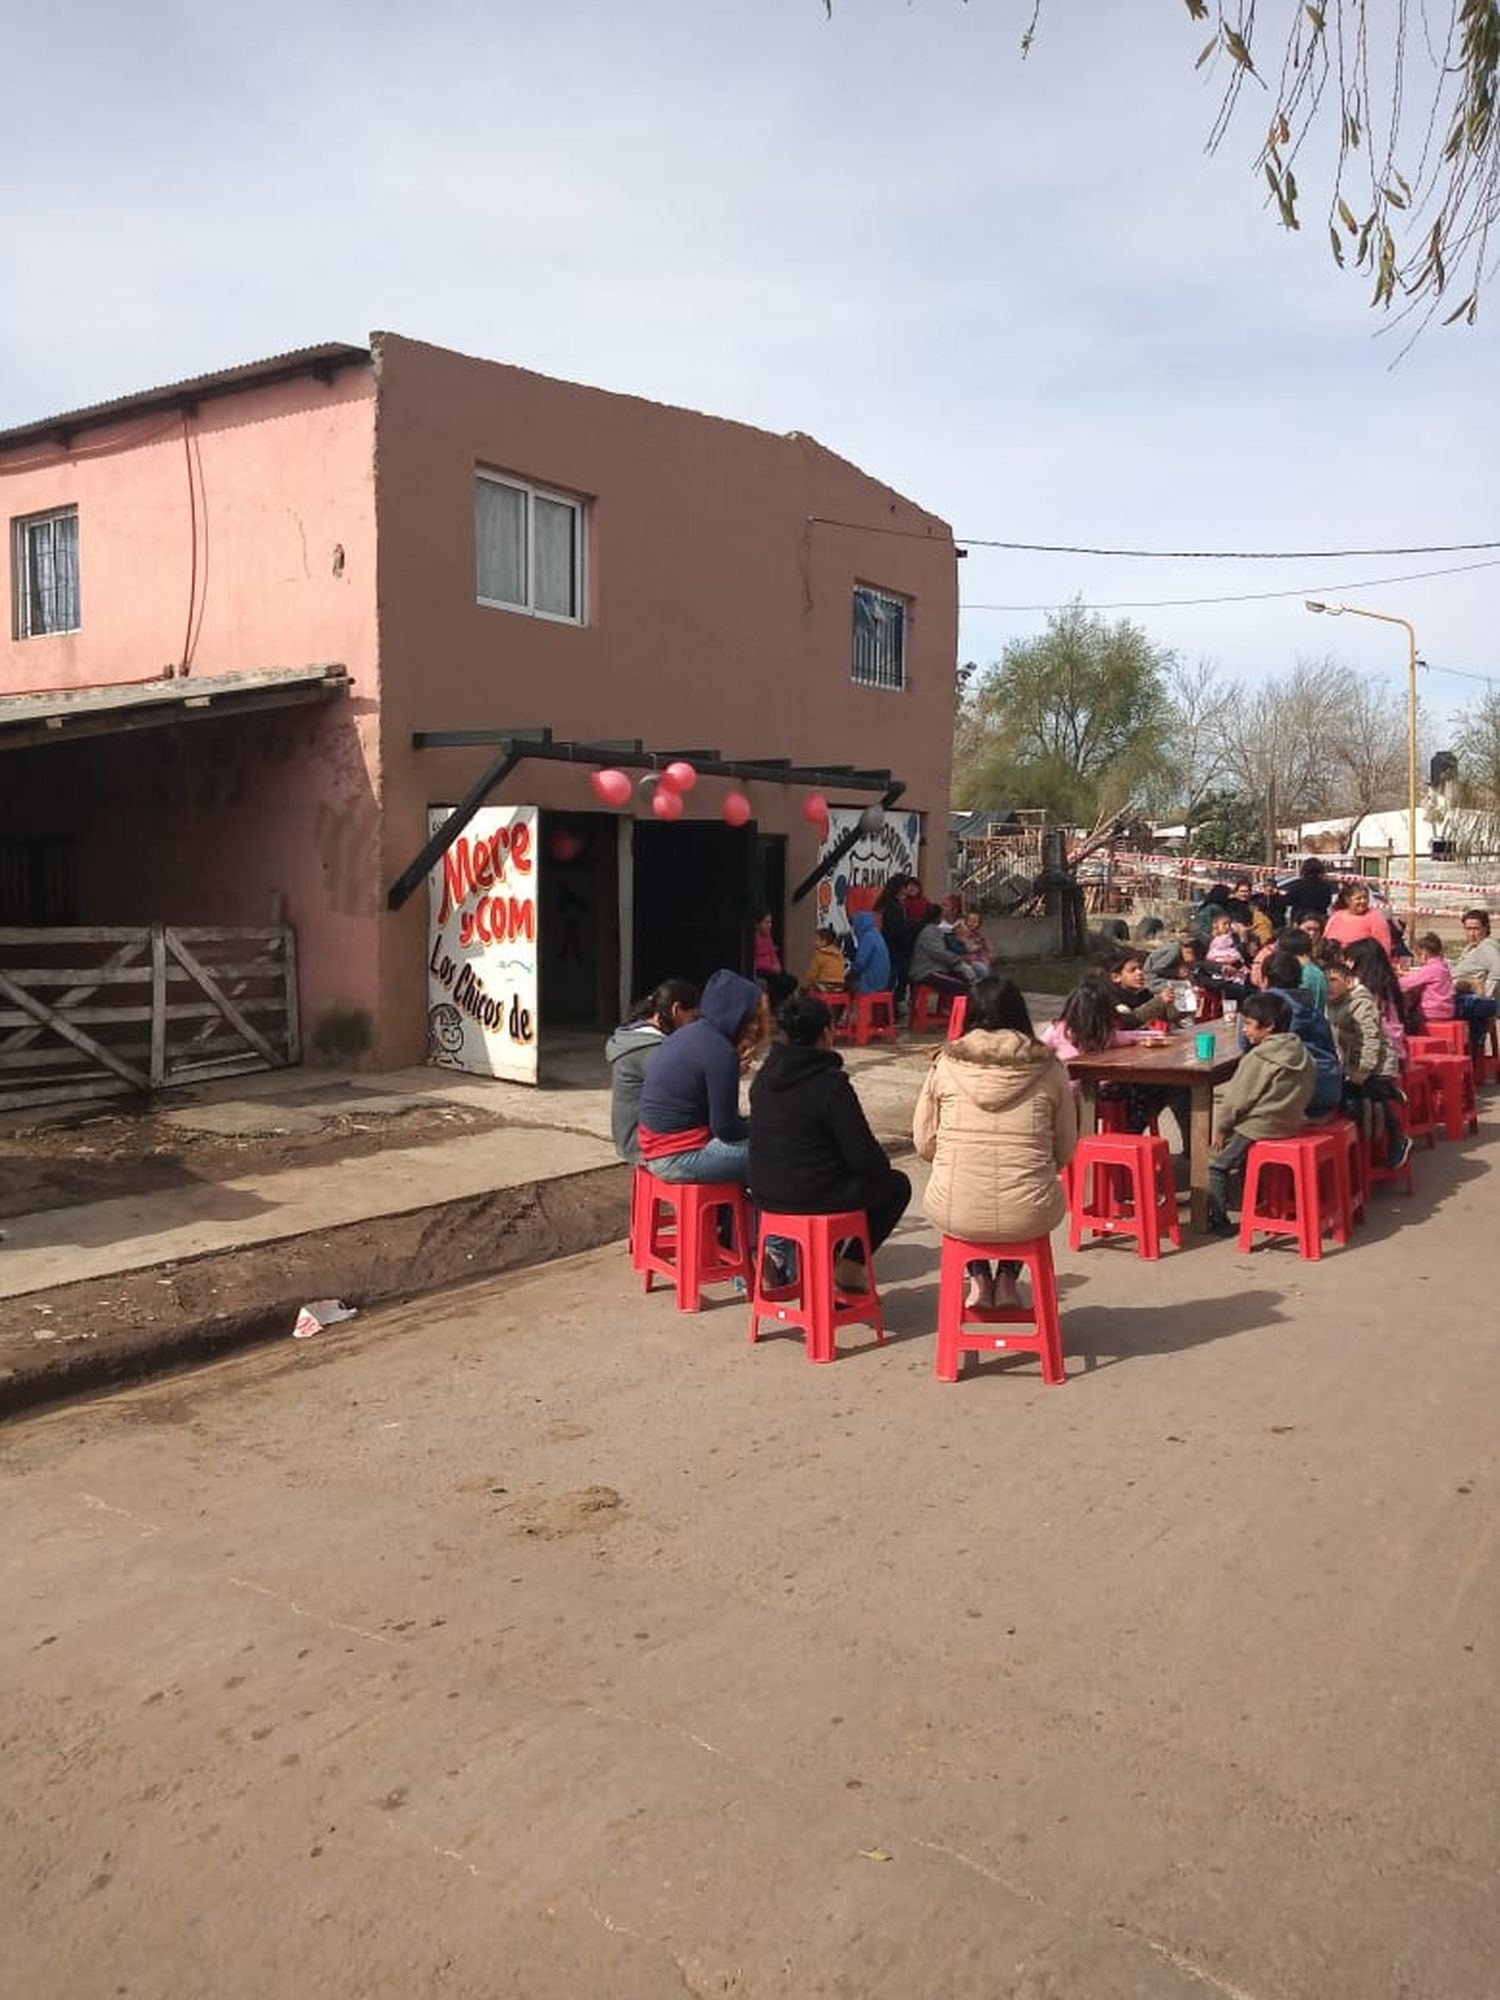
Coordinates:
(718, 614)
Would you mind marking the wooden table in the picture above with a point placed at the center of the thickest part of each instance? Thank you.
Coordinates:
(1171, 1062)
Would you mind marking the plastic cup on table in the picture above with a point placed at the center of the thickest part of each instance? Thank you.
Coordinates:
(1204, 1044)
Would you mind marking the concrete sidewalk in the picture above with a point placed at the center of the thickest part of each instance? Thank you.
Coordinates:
(109, 1289)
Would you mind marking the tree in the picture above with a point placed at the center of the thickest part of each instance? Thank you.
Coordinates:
(1281, 746)
(1075, 720)
(1477, 741)
(1406, 104)
(1231, 827)
(1201, 715)
(1403, 98)
(1370, 746)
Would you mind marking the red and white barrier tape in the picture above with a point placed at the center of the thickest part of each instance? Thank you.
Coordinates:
(1236, 871)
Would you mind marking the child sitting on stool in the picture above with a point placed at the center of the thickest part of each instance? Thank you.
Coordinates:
(1266, 1098)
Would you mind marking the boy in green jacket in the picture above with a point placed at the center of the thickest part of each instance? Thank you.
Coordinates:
(1266, 1098)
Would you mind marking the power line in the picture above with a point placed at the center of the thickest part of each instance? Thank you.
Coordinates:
(1246, 596)
(1155, 555)
(1226, 555)
(1428, 666)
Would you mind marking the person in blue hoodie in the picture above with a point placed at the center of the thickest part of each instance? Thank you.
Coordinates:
(871, 970)
(1283, 975)
(690, 1126)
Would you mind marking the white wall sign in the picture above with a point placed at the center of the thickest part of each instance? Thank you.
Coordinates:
(859, 876)
(482, 955)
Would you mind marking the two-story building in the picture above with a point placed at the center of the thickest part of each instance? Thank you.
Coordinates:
(243, 607)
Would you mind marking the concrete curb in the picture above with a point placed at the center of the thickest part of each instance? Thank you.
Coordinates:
(174, 1315)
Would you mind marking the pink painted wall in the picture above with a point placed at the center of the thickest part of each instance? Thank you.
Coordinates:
(204, 822)
(717, 614)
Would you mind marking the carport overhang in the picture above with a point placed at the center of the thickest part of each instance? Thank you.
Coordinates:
(520, 746)
(64, 715)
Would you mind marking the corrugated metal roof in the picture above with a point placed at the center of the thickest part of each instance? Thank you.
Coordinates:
(324, 360)
(94, 711)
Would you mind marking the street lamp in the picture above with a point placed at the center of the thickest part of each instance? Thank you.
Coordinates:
(1386, 618)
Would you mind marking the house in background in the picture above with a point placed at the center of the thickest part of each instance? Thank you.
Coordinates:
(239, 604)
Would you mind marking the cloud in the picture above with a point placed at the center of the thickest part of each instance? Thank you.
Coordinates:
(1019, 291)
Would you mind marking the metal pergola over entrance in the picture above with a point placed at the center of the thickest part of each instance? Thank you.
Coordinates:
(520, 746)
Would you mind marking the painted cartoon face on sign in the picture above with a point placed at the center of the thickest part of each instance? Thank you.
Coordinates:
(863, 870)
(445, 1034)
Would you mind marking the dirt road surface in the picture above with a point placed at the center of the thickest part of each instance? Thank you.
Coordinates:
(536, 1641)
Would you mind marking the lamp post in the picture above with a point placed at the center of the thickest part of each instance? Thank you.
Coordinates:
(1388, 618)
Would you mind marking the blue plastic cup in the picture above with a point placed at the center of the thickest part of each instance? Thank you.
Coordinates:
(1204, 1044)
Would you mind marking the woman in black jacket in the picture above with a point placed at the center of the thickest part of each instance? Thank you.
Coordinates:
(898, 929)
(811, 1148)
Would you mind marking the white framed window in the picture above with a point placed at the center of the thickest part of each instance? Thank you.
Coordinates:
(529, 548)
(44, 573)
(880, 622)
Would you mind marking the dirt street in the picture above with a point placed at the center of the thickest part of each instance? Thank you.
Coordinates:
(537, 1641)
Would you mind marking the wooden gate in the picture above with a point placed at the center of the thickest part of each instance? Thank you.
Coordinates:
(104, 1012)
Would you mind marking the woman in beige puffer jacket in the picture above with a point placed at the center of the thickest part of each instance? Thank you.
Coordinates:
(997, 1119)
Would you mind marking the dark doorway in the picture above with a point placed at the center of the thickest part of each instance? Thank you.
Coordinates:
(39, 880)
(578, 969)
(696, 884)
(770, 882)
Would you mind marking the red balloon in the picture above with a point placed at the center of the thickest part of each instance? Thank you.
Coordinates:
(665, 804)
(679, 777)
(815, 810)
(611, 788)
(738, 810)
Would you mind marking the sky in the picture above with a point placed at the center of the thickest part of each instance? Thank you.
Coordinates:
(1021, 292)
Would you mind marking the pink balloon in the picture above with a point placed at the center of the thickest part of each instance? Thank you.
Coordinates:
(665, 804)
(815, 810)
(611, 788)
(738, 810)
(679, 777)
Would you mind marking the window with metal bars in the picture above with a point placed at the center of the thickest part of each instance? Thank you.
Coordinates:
(879, 638)
(44, 565)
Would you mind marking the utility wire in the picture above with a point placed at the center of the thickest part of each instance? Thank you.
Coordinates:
(1243, 597)
(1429, 667)
(1155, 555)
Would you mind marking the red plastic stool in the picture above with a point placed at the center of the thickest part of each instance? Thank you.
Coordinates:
(1151, 1204)
(1418, 1114)
(958, 1016)
(1454, 1100)
(1345, 1134)
(1112, 1114)
(1043, 1318)
(1450, 1038)
(677, 1236)
(873, 1019)
(837, 1005)
(1488, 1063)
(640, 1216)
(811, 1301)
(930, 1007)
(1304, 1159)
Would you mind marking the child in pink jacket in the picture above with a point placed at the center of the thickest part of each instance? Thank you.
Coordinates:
(1223, 950)
(1432, 979)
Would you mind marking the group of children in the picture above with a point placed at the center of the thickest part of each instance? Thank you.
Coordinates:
(1324, 1026)
(943, 946)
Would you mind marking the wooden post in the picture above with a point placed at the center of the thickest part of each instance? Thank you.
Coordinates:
(293, 1012)
(158, 1006)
